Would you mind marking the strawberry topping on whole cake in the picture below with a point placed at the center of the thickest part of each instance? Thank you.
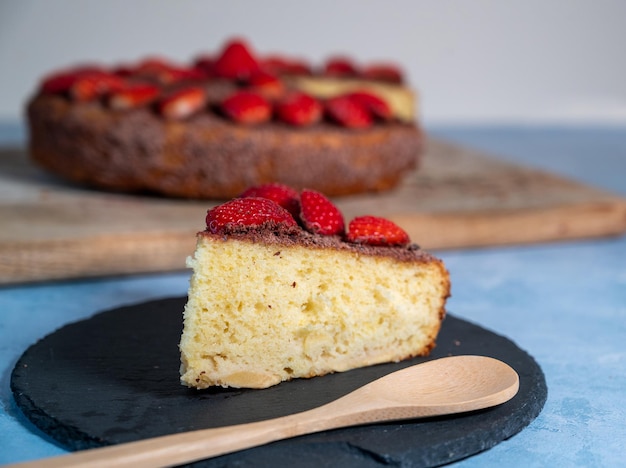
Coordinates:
(225, 122)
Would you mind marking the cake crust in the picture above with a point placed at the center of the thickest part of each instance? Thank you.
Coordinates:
(208, 156)
(278, 235)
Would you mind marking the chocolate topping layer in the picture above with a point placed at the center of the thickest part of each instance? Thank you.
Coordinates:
(272, 234)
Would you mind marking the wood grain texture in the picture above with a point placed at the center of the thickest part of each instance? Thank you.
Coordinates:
(459, 198)
(445, 386)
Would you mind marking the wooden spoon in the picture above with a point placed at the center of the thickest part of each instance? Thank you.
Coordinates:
(443, 386)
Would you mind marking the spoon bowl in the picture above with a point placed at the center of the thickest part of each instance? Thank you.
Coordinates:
(435, 388)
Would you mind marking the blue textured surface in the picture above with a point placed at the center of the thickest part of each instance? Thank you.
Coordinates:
(565, 303)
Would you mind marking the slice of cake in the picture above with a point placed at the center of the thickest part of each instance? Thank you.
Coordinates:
(272, 298)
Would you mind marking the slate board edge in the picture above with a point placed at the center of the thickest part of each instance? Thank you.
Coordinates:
(308, 443)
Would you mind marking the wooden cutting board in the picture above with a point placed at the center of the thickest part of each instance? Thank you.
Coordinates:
(459, 198)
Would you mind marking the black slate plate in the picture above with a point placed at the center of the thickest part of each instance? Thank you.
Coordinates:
(114, 378)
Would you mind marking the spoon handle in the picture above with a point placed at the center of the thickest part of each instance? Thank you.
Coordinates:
(444, 386)
(176, 449)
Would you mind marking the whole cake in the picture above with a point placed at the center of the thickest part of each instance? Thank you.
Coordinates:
(281, 289)
(226, 122)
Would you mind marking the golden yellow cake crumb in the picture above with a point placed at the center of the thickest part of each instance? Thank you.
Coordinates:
(259, 314)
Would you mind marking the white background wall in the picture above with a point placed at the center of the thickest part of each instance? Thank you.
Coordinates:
(472, 61)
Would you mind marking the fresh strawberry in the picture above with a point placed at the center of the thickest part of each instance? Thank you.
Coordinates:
(298, 67)
(184, 73)
(149, 66)
(387, 72)
(90, 86)
(279, 65)
(266, 84)
(284, 195)
(373, 230)
(123, 71)
(182, 103)
(340, 67)
(249, 211)
(165, 72)
(299, 109)
(348, 112)
(153, 63)
(247, 107)
(373, 103)
(236, 62)
(274, 64)
(60, 82)
(319, 215)
(153, 68)
(133, 96)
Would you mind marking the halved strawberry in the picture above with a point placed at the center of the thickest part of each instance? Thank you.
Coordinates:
(280, 65)
(58, 83)
(319, 215)
(153, 68)
(149, 68)
(274, 64)
(247, 107)
(90, 86)
(373, 230)
(236, 61)
(184, 73)
(153, 64)
(298, 67)
(123, 70)
(285, 196)
(182, 103)
(340, 66)
(373, 103)
(299, 109)
(266, 84)
(348, 112)
(387, 72)
(133, 96)
(61, 81)
(165, 72)
(249, 211)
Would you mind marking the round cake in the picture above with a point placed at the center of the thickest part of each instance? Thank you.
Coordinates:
(226, 122)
